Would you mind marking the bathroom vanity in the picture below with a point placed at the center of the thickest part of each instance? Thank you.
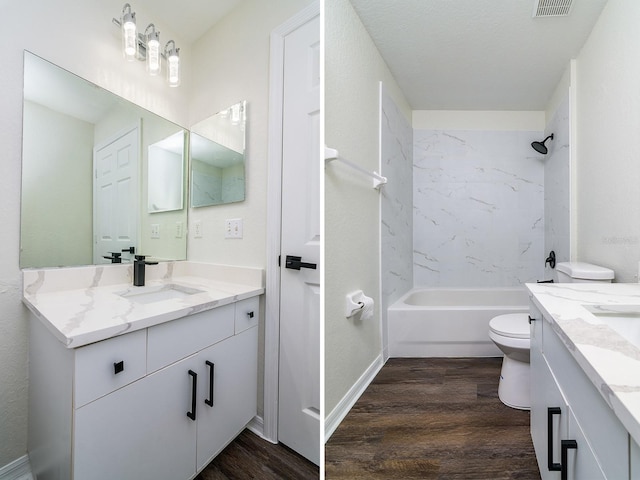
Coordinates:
(585, 380)
(139, 382)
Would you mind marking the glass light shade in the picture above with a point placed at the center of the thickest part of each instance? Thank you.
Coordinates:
(129, 34)
(173, 68)
(153, 55)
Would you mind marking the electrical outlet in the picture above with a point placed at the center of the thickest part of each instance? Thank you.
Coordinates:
(233, 228)
(179, 229)
(155, 230)
(197, 229)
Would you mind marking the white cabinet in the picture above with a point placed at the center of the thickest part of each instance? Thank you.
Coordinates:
(157, 403)
(569, 418)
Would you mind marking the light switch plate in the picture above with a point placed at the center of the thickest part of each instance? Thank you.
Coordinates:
(179, 229)
(155, 230)
(233, 228)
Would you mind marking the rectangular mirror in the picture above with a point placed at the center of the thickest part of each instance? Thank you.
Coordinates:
(217, 146)
(164, 176)
(86, 167)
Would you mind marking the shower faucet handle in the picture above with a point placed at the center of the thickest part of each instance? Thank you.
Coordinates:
(551, 259)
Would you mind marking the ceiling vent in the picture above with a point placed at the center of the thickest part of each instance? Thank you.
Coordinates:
(552, 8)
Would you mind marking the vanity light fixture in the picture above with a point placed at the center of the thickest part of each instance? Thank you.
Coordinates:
(153, 50)
(129, 33)
(146, 47)
(173, 63)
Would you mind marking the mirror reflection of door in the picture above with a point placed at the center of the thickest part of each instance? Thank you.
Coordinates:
(115, 195)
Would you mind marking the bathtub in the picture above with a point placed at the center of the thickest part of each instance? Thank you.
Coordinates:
(450, 322)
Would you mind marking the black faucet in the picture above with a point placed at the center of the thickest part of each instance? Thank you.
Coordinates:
(115, 257)
(138, 270)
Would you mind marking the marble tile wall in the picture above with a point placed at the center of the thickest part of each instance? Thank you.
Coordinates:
(557, 186)
(478, 208)
(396, 205)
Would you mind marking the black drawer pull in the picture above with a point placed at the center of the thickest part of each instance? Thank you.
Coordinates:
(118, 367)
(531, 319)
(194, 392)
(250, 314)
(564, 446)
(209, 401)
(553, 467)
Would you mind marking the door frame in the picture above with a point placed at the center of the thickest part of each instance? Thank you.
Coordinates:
(274, 218)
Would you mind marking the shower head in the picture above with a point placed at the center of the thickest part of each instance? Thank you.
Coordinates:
(540, 147)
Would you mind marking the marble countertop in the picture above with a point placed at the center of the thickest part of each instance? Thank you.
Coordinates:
(82, 305)
(611, 362)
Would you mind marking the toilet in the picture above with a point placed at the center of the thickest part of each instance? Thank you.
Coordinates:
(510, 333)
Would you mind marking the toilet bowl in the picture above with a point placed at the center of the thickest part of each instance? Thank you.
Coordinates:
(511, 334)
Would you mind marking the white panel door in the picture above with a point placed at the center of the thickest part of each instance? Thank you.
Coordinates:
(299, 367)
(115, 190)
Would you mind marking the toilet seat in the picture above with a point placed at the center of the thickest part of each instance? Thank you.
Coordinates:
(511, 325)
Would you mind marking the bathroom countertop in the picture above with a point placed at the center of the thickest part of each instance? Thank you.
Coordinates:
(610, 361)
(84, 305)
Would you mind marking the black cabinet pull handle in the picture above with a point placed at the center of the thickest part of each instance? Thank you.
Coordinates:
(553, 467)
(531, 319)
(194, 390)
(250, 314)
(564, 446)
(118, 367)
(212, 367)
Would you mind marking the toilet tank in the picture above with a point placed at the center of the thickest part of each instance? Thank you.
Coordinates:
(581, 272)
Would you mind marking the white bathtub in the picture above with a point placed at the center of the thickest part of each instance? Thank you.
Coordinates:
(450, 322)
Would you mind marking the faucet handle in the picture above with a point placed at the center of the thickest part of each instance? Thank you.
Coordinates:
(141, 258)
(130, 250)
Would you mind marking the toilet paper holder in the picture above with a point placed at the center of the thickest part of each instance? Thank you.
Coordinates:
(354, 303)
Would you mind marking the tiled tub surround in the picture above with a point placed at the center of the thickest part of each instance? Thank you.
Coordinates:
(610, 362)
(82, 305)
(478, 203)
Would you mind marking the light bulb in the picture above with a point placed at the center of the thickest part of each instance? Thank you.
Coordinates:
(153, 54)
(129, 34)
(173, 64)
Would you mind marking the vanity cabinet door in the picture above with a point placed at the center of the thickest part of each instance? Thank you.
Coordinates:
(227, 392)
(581, 462)
(140, 431)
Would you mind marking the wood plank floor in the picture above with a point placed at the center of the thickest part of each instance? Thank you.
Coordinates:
(250, 457)
(433, 418)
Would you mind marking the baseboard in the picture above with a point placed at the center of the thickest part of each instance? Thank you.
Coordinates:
(256, 425)
(17, 470)
(342, 408)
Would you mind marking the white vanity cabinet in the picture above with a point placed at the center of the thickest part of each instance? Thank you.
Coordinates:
(157, 403)
(569, 417)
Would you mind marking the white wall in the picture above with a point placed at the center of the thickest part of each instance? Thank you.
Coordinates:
(608, 144)
(353, 70)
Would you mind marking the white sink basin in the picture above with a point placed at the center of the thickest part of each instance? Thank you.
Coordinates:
(158, 293)
(624, 319)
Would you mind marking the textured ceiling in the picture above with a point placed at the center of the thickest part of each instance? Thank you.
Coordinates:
(476, 54)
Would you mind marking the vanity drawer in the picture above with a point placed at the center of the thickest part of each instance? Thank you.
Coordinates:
(172, 341)
(102, 367)
(247, 313)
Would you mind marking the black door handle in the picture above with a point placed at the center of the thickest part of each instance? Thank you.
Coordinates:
(553, 467)
(296, 264)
